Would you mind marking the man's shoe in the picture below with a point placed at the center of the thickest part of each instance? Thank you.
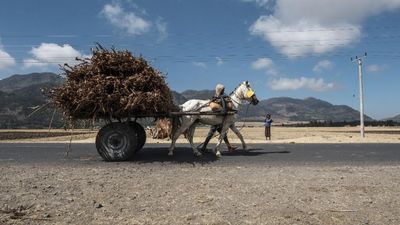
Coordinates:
(232, 148)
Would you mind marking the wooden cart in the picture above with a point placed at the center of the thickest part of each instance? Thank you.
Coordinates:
(119, 141)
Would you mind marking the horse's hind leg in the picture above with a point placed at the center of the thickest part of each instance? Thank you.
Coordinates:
(185, 125)
(239, 135)
(175, 136)
(190, 133)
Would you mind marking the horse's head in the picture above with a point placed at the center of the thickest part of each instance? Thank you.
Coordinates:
(245, 92)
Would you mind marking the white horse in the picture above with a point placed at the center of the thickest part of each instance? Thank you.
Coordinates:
(242, 93)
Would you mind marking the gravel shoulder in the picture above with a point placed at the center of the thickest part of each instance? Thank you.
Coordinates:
(182, 193)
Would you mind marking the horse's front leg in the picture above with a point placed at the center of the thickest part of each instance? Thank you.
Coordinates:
(224, 131)
(239, 135)
(190, 133)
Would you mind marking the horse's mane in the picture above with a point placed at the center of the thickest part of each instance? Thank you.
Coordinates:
(235, 89)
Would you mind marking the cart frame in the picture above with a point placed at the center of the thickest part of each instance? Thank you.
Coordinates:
(120, 141)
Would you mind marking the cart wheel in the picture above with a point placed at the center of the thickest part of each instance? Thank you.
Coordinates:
(141, 134)
(116, 142)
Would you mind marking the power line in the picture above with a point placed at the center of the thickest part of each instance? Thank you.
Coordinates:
(210, 58)
(189, 34)
(364, 37)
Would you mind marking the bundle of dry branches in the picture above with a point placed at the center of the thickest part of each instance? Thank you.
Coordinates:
(112, 84)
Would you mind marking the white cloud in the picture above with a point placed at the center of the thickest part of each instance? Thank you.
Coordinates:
(131, 19)
(6, 60)
(262, 63)
(220, 61)
(376, 68)
(130, 22)
(261, 3)
(161, 26)
(298, 39)
(28, 63)
(316, 26)
(323, 65)
(48, 54)
(313, 84)
(200, 64)
(265, 64)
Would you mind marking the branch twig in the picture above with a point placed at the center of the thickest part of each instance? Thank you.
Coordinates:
(52, 117)
(342, 210)
(36, 110)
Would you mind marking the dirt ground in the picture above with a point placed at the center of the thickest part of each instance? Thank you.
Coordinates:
(168, 193)
(88, 192)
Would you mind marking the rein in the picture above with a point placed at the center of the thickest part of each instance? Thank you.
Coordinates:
(245, 116)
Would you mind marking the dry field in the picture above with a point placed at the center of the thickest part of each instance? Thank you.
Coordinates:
(252, 132)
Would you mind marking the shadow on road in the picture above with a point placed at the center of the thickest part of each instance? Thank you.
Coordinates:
(181, 156)
(185, 155)
(253, 152)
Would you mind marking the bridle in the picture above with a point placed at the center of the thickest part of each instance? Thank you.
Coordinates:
(234, 93)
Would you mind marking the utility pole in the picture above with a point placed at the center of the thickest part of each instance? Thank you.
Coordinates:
(359, 61)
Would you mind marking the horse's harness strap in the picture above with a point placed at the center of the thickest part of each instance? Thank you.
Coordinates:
(234, 99)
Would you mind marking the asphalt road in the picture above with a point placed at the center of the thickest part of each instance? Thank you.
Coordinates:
(268, 154)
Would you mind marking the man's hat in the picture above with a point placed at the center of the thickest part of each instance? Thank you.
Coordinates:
(219, 89)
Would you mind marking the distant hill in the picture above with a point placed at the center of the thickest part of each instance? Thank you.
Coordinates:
(202, 94)
(16, 82)
(21, 94)
(178, 98)
(288, 109)
(309, 109)
(394, 118)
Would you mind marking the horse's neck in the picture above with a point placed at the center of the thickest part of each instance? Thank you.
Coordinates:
(237, 102)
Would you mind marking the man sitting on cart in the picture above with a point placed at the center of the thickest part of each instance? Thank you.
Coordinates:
(220, 102)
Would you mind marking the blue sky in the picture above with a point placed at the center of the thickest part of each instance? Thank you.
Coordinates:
(283, 47)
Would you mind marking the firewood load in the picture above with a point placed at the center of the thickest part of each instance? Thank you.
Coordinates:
(162, 129)
(112, 84)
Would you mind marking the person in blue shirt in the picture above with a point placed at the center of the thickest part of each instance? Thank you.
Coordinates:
(267, 124)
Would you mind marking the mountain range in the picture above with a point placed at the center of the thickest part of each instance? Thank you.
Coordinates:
(284, 108)
(394, 118)
(20, 95)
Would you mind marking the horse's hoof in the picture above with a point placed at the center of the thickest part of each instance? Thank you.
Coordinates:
(203, 150)
(170, 154)
(218, 154)
(232, 149)
(198, 154)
